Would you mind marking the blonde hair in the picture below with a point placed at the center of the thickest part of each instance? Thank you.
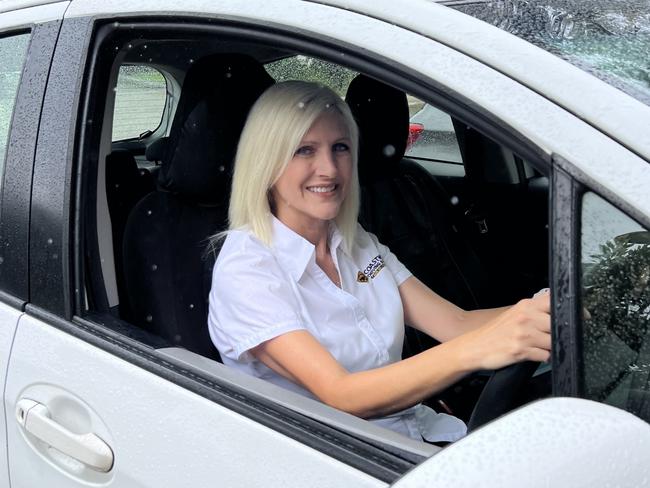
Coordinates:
(275, 126)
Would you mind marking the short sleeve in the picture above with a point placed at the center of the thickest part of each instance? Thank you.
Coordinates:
(397, 269)
(251, 298)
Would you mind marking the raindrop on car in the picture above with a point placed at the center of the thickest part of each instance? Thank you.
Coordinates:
(389, 150)
(454, 200)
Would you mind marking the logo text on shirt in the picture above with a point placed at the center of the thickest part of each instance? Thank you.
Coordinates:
(372, 270)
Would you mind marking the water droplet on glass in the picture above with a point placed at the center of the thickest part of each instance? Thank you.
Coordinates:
(389, 150)
(50, 241)
(117, 185)
(191, 306)
(117, 48)
(222, 169)
(115, 89)
(454, 200)
(149, 318)
(144, 47)
(228, 75)
(150, 60)
(177, 338)
(301, 104)
(2, 260)
(191, 61)
(55, 256)
(154, 267)
(148, 212)
(328, 105)
(129, 46)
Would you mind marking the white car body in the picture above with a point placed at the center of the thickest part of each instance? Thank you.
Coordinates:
(160, 417)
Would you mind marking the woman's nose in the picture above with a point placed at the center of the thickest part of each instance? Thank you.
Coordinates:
(327, 165)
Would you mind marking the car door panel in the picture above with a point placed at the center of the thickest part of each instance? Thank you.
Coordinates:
(160, 433)
(9, 316)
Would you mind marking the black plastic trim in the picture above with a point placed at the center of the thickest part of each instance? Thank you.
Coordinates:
(19, 162)
(12, 301)
(339, 445)
(565, 239)
(53, 185)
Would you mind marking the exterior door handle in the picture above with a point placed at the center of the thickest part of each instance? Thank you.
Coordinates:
(86, 448)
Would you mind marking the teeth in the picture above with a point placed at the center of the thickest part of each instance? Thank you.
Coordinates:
(321, 189)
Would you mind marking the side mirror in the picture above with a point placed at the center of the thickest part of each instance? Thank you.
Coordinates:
(561, 442)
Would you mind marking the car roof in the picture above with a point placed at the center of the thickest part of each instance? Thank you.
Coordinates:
(613, 112)
(9, 5)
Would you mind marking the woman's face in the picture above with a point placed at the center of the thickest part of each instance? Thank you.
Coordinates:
(316, 181)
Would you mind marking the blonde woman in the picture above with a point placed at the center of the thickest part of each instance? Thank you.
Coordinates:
(303, 297)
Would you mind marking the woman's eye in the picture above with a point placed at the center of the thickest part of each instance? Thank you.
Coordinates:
(304, 151)
(341, 147)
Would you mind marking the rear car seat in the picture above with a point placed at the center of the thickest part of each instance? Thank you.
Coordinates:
(166, 234)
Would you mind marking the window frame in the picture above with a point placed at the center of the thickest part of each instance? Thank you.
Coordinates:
(19, 160)
(165, 119)
(568, 186)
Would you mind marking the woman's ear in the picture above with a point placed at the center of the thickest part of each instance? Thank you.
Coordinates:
(271, 199)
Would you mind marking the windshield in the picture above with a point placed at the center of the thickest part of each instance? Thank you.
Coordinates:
(607, 38)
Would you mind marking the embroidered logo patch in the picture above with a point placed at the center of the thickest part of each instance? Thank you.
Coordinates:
(372, 270)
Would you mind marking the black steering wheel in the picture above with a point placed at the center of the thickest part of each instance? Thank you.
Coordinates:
(500, 392)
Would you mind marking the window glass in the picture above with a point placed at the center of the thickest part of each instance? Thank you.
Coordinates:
(140, 98)
(311, 69)
(431, 135)
(616, 300)
(12, 56)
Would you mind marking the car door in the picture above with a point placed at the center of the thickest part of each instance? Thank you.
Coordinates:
(23, 37)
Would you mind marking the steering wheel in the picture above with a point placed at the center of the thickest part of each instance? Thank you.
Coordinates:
(500, 392)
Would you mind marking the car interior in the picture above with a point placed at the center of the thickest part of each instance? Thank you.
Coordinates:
(478, 238)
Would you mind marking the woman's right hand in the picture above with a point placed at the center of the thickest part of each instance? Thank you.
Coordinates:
(523, 332)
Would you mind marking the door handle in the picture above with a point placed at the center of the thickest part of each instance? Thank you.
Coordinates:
(86, 448)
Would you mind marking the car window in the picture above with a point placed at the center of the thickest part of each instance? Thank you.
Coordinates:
(615, 257)
(12, 56)
(608, 39)
(432, 138)
(308, 68)
(140, 98)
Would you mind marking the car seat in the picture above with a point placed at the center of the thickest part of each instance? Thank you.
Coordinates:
(404, 205)
(167, 232)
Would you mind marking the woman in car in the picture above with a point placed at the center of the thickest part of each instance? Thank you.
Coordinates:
(303, 297)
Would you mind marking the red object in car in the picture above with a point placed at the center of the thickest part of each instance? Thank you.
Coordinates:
(415, 130)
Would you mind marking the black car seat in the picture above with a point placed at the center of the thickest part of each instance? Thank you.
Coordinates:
(166, 234)
(404, 205)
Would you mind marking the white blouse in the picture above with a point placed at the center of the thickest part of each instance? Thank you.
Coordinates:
(259, 293)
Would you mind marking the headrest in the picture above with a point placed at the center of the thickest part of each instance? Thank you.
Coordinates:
(155, 151)
(382, 115)
(217, 94)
